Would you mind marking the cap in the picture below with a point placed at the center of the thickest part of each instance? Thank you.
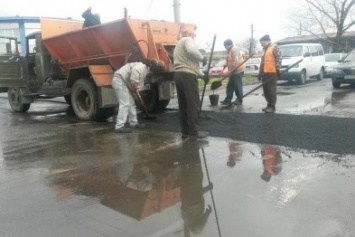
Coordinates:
(228, 42)
(265, 38)
(188, 32)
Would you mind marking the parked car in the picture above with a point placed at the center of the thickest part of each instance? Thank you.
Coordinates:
(252, 66)
(311, 66)
(332, 59)
(344, 71)
(217, 70)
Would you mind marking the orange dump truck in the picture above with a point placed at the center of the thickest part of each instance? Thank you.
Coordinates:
(63, 59)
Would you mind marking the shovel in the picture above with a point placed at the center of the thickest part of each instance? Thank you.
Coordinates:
(138, 99)
(217, 84)
(208, 69)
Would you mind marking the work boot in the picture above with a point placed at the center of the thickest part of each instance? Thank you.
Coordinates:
(137, 125)
(224, 102)
(237, 102)
(184, 135)
(199, 135)
(269, 110)
(123, 130)
(227, 105)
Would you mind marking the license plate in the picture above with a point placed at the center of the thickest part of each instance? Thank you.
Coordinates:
(349, 77)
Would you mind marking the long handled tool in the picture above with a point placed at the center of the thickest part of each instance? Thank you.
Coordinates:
(212, 197)
(217, 84)
(264, 83)
(208, 69)
(138, 99)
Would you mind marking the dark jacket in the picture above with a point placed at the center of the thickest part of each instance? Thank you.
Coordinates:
(90, 19)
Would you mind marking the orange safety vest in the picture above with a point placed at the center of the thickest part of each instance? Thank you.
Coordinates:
(269, 60)
(230, 60)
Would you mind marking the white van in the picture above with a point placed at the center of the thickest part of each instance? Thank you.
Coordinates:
(311, 66)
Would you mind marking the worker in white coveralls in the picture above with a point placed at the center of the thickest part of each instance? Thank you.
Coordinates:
(133, 73)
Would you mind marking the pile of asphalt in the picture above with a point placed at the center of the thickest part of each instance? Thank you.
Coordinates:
(318, 133)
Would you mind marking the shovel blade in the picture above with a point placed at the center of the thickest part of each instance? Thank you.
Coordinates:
(215, 85)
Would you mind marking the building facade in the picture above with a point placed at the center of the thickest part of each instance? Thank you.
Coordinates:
(18, 27)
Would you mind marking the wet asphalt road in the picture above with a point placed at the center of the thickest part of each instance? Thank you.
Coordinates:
(319, 133)
(286, 174)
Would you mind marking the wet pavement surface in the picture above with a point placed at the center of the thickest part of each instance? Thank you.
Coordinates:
(286, 174)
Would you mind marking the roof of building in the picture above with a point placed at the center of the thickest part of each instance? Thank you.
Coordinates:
(12, 19)
(310, 38)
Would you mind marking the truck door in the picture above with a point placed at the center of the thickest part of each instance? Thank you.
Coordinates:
(13, 67)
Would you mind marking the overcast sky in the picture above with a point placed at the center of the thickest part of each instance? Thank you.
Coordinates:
(225, 18)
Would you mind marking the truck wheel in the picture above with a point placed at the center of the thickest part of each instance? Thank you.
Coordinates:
(67, 99)
(13, 95)
(151, 100)
(302, 78)
(106, 113)
(335, 83)
(320, 75)
(84, 100)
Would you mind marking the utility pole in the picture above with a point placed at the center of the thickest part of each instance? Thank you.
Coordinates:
(176, 6)
(251, 46)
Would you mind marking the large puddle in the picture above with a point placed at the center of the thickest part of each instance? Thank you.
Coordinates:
(83, 180)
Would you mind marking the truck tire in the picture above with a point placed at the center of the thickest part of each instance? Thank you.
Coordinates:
(151, 100)
(106, 113)
(302, 78)
(84, 100)
(67, 99)
(13, 95)
(320, 76)
(335, 83)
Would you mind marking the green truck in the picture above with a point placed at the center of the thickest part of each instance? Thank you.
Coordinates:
(65, 60)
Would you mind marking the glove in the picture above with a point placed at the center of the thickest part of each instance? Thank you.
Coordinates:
(205, 78)
(259, 77)
(204, 61)
(134, 87)
(278, 73)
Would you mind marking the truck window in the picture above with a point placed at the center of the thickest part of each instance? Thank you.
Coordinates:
(291, 51)
(320, 50)
(313, 50)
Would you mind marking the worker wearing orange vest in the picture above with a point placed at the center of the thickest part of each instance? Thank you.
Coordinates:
(236, 67)
(269, 72)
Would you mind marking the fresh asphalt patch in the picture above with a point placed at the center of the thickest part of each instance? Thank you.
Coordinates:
(318, 133)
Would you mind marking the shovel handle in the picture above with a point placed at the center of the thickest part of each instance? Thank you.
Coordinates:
(261, 84)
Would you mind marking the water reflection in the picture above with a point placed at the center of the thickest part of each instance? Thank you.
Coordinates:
(194, 211)
(139, 183)
(272, 162)
(235, 153)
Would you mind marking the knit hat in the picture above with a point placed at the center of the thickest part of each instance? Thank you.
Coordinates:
(228, 42)
(265, 38)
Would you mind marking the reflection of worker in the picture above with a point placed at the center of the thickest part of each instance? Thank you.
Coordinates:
(193, 210)
(133, 73)
(235, 84)
(269, 72)
(90, 18)
(186, 67)
(235, 154)
(133, 174)
(271, 161)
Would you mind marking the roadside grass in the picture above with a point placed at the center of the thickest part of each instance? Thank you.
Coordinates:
(247, 80)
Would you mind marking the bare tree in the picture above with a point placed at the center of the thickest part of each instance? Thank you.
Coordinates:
(326, 19)
(248, 45)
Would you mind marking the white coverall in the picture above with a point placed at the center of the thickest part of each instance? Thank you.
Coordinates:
(135, 73)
